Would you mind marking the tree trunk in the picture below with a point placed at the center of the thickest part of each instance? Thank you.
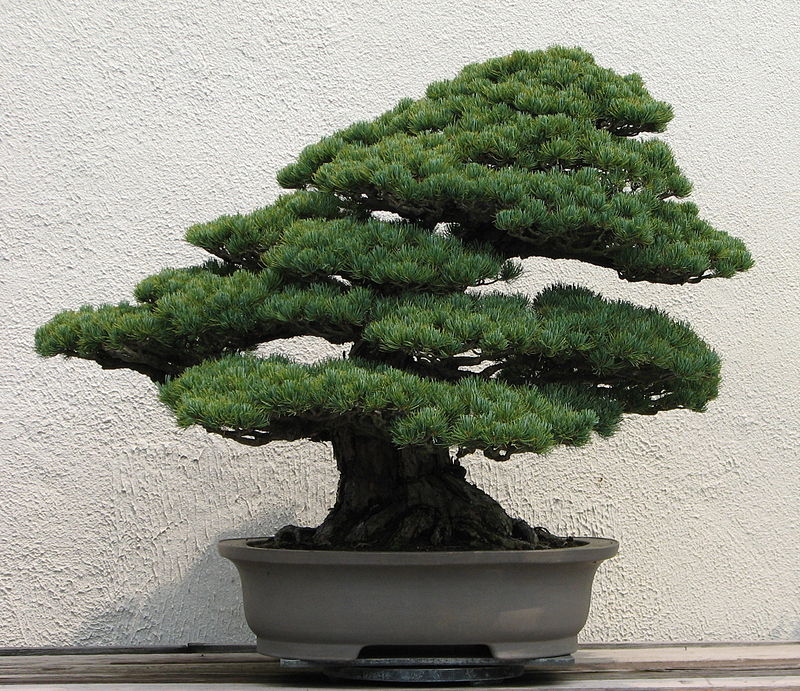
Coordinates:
(409, 499)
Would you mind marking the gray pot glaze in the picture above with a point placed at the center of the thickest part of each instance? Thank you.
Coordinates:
(328, 605)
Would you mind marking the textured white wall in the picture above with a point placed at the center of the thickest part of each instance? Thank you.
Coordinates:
(125, 122)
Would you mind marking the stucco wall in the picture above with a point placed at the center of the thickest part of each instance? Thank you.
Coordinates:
(125, 122)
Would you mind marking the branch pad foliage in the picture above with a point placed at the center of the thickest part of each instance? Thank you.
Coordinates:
(243, 396)
(531, 154)
(534, 154)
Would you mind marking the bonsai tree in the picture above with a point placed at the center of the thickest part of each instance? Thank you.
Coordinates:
(533, 154)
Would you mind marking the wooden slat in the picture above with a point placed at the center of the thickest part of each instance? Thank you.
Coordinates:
(721, 666)
(783, 656)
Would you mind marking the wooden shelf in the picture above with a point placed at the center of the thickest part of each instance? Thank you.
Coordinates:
(727, 666)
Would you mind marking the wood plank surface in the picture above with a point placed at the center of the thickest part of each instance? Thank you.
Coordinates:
(672, 684)
(693, 666)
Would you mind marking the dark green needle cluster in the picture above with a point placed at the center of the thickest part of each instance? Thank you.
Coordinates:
(534, 154)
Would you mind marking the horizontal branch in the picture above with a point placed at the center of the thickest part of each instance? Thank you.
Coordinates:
(255, 400)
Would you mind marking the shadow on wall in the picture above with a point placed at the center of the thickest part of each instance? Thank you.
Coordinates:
(161, 582)
(204, 606)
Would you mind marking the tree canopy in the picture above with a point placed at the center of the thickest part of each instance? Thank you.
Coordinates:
(533, 154)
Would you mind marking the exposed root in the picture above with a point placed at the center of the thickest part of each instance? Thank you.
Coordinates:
(392, 499)
(437, 513)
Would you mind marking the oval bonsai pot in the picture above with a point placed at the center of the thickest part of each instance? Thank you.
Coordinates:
(328, 605)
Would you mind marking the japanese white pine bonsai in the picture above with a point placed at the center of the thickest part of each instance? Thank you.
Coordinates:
(533, 154)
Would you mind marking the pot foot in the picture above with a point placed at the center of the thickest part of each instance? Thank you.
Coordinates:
(527, 650)
(341, 653)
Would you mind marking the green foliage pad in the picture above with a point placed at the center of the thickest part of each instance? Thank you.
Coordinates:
(535, 154)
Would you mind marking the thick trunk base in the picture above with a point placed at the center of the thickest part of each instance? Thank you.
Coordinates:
(410, 499)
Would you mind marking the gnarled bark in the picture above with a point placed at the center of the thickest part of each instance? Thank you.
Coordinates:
(409, 499)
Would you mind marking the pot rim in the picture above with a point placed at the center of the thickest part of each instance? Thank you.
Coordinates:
(591, 549)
